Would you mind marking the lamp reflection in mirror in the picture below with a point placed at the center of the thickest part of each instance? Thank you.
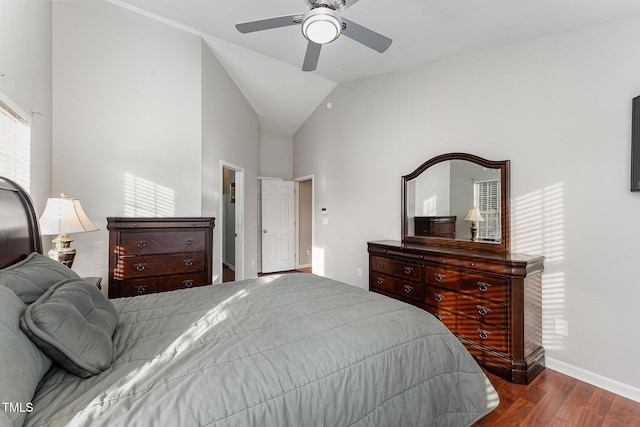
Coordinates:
(63, 216)
(474, 216)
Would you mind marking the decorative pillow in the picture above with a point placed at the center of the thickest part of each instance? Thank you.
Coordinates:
(22, 364)
(32, 276)
(73, 323)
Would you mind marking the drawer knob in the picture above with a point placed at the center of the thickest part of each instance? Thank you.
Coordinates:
(483, 334)
(408, 270)
(438, 297)
(187, 262)
(380, 280)
(483, 286)
(187, 283)
(140, 266)
(141, 244)
(482, 310)
(141, 289)
(439, 277)
(408, 289)
(381, 264)
(188, 242)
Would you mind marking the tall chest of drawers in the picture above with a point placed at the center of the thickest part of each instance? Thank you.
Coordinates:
(435, 226)
(491, 302)
(148, 255)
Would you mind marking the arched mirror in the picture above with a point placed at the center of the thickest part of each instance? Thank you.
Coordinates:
(457, 200)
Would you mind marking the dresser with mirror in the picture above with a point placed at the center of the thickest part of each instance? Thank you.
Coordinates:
(454, 261)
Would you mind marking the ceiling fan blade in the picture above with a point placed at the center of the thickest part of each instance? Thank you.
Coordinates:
(311, 57)
(367, 37)
(267, 24)
(348, 4)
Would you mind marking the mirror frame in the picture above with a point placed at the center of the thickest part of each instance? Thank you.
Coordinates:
(503, 166)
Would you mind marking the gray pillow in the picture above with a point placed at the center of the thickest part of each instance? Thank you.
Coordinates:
(22, 364)
(73, 323)
(32, 276)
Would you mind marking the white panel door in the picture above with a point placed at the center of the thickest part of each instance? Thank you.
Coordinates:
(278, 226)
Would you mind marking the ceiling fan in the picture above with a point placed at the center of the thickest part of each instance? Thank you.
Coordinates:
(322, 24)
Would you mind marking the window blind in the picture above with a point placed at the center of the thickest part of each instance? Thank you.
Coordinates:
(15, 146)
(487, 200)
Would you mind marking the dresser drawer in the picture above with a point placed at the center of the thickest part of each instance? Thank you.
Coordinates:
(483, 286)
(404, 269)
(135, 287)
(442, 298)
(436, 229)
(414, 302)
(485, 311)
(396, 285)
(443, 230)
(154, 265)
(481, 310)
(479, 285)
(478, 332)
(484, 334)
(442, 277)
(161, 242)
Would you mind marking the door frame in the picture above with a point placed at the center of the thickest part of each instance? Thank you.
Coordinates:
(297, 213)
(239, 246)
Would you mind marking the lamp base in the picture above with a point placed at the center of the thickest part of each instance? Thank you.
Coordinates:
(474, 231)
(62, 251)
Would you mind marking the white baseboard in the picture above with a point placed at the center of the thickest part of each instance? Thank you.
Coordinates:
(597, 380)
(304, 266)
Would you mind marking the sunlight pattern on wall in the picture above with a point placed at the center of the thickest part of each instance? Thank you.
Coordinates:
(538, 228)
(318, 260)
(429, 206)
(144, 198)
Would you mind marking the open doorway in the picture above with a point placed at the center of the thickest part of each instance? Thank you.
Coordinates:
(304, 223)
(232, 224)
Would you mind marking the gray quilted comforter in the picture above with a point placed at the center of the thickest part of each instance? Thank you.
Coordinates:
(288, 350)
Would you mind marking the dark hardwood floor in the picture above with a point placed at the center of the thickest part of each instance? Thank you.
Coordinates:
(557, 400)
(301, 270)
(228, 275)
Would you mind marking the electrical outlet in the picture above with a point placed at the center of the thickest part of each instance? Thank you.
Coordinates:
(308, 252)
(359, 272)
(561, 327)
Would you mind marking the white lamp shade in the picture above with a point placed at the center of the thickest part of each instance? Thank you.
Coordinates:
(474, 215)
(64, 216)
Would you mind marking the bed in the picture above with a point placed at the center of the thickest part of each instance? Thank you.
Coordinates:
(284, 350)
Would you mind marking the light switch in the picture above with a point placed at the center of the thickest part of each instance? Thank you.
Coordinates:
(325, 221)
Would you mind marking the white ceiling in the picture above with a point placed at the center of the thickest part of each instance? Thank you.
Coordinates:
(266, 65)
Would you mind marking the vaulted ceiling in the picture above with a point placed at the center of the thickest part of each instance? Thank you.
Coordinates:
(266, 65)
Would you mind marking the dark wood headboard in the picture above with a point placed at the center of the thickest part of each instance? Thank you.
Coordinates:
(19, 232)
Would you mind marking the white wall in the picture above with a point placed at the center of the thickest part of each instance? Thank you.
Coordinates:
(275, 155)
(559, 108)
(25, 77)
(140, 112)
(230, 135)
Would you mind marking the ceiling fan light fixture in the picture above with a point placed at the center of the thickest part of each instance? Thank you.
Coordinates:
(321, 25)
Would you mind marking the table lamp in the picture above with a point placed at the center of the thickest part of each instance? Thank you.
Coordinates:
(474, 216)
(64, 216)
